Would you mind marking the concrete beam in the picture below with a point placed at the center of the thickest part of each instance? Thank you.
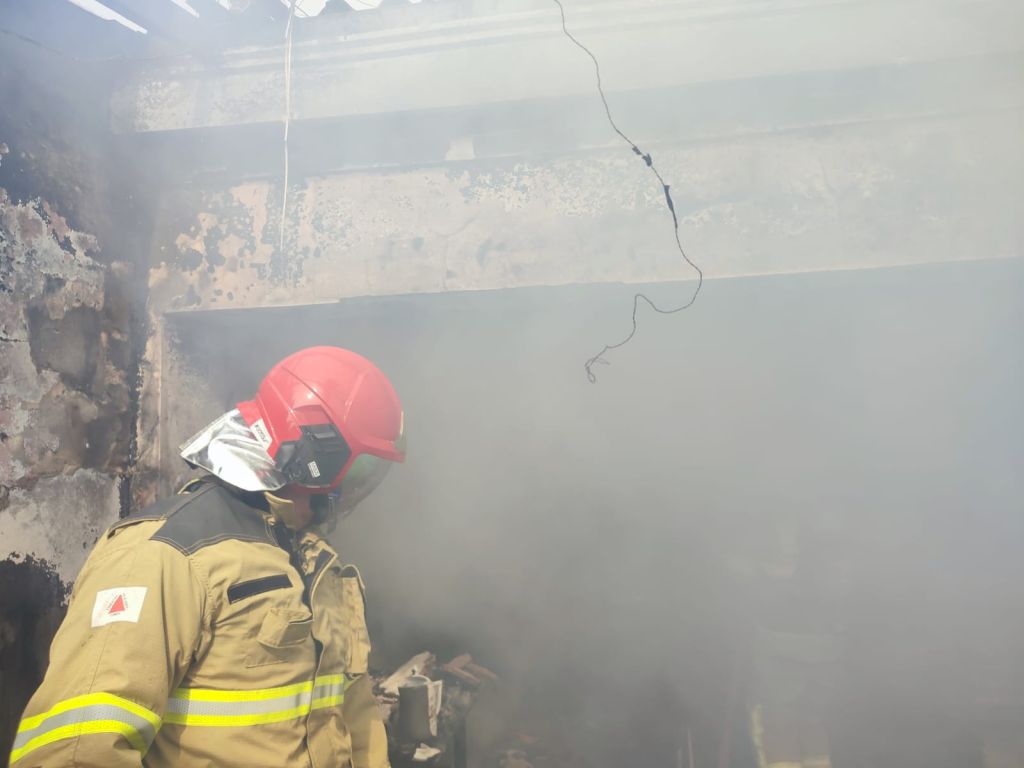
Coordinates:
(517, 53)
(687, 115)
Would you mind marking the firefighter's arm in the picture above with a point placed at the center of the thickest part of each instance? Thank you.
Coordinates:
(359, 709)
(133, 625)
(361, 715)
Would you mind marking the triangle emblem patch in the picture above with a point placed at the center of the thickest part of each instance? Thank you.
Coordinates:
(118, 604)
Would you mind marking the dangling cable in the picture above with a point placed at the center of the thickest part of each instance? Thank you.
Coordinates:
(288, 40)
(649, 162)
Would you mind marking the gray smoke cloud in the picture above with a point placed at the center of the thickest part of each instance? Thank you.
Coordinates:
(830, 455)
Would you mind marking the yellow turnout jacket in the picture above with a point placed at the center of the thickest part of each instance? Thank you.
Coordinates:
(205, 632)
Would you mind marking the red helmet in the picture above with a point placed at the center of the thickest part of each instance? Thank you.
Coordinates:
(329, 420)
(325, 420)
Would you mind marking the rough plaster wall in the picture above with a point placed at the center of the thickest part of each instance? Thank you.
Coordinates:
(163, 406)
(72, 221)
(64, 409)
(62, 396)
(851, 197)
(73, 230)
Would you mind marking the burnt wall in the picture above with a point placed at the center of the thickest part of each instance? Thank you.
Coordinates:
(71, 224)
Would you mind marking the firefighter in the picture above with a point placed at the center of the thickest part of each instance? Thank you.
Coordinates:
(218, 627)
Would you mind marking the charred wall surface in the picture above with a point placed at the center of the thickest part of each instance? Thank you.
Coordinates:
(71, 224)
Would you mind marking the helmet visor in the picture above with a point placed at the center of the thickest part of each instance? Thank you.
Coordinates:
(365, 474)
(228, 449)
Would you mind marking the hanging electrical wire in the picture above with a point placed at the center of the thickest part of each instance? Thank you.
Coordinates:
(289, 32)
(649, 161)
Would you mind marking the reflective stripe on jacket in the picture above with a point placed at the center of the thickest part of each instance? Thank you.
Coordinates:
(203, 632)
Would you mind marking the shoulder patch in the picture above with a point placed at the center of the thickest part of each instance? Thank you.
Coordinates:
(118, 604)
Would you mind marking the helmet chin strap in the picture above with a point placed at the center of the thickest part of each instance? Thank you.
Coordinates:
(291, 511)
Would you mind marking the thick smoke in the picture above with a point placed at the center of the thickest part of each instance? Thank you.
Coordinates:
(833, 455)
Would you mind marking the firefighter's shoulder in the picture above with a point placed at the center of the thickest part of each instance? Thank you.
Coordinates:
(204, 513)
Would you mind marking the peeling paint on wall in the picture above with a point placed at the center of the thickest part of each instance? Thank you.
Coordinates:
(58, 519)
(758, 205)
(64, 429)
(62, 396)
(73, 240)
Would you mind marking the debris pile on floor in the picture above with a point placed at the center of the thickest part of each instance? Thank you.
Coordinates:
(425, 705)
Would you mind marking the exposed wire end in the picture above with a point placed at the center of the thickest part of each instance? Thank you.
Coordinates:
(649, 162)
